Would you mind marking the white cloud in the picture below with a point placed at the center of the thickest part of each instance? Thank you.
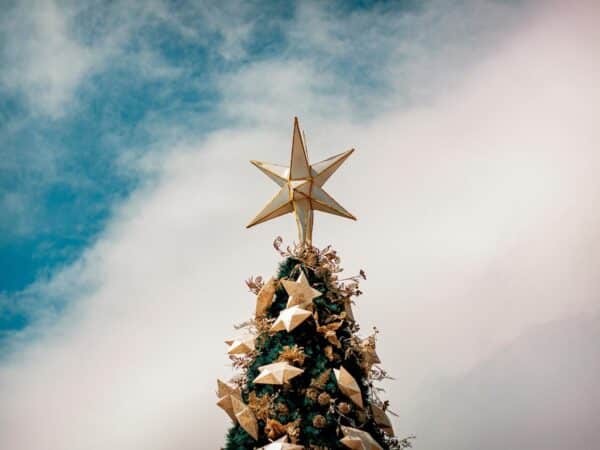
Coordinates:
(476, 221)
(52, 48)
(41, 59)
(537, 392)
(266, 92)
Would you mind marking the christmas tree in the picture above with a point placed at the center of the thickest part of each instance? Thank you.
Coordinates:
(307, 380)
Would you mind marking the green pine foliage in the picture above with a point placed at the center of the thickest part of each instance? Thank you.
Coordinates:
(296, 403)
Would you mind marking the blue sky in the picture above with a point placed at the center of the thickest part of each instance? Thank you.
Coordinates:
(63, 170)
(70, 138)
(125, 135)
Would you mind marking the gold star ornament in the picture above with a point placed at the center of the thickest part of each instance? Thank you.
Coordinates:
(241, 345)
(266, 297)
(245, 417)
(369, 355)
(225, 392)
(290, 318)
(381, 418)
(277, 373)
(358, 439)
(300, 292)
(348, 385)
(282, 444)
(301, 188)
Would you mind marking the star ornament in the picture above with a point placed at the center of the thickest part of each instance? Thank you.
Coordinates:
(277, 373)
(358, 439)
(301, 188)
(300, 292)
(369, 354)
(348, 385)
(245, 417)
(382, 420)
(225, 392)
(240, 345)
(290, 318)
(282, 444)
(265, 297)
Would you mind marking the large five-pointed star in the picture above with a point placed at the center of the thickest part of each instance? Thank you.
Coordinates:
(301, 188)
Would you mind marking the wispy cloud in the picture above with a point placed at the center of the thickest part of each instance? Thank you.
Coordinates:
(41, 59)
(51, 50)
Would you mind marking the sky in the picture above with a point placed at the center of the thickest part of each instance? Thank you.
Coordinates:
(125, 135)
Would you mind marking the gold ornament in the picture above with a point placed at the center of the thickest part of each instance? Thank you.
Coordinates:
(290, 318)
(349, 386)
(324, 399)
(345, 408)
(356, 439)
(277, 373)
(348, 308)
(265, 297)
(240, 345)
(245, 417)
(282, 444)
(329, 330)
(312, 394)
(282, 408)
(319, 421)
(301, 188)
(329, 353)
(369, 355)
(300, 292)
(382, 420)
(225, 392)
(274, 429)
(260, 406)
(293, 430)
(293, 355)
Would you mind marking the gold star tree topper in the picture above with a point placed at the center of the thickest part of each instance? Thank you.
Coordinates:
(301, 188)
